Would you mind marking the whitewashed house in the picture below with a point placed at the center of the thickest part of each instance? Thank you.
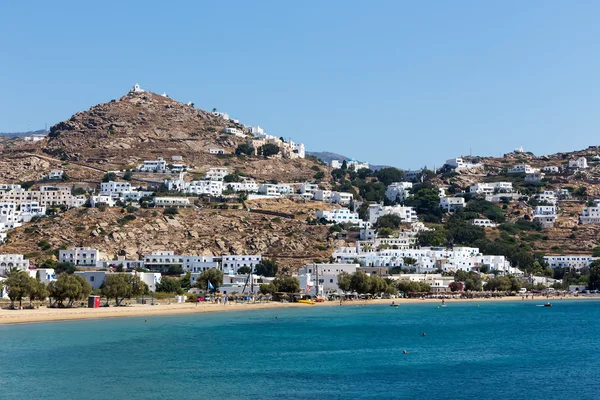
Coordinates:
(158, 165)
(114, 188)
(230, 264)
(327, 275)
(545, 215)
(459, 163)
(551, 169)
(106, 200)
(200, 263)
(84, 256)
(339, 216)
(580, 163)
(534, 177)
(573, 262)
(491, 188)
(341, 198)
(452, 203)
(216, 151)
(483, 222)
(216, 174)
(406, 214)
(398, 191)
(309, 188)
(522, 169)
(234, 131)
(168, 202)
(56, 174)
(271, 189)
(350, 163)
(13, 261)
(322, 195)
(590, 215)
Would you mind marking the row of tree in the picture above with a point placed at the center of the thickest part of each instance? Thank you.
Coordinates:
(362, 283)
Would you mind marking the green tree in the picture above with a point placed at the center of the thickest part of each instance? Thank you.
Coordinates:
(64, 267)
(360, 282)
(186, 280)
(213, 275)
(344, 281)
(287, 284)
(127, 176)
(377, 285)
(426, 201)
(268, 149)
(266, 267)
(408, 261)
(109, 176)
(169, 285)
(115, 286)
(389, 175)
(594, 280)
(267, 288)
(71, 287)
(244, 148)
(244, 270)
(17, 285)
(390, 221)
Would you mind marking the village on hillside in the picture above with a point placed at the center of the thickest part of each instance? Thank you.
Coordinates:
(286, 221)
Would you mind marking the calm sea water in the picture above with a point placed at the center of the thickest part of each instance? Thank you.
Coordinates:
(508, 350)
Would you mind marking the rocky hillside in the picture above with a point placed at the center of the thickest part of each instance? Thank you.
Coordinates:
(194, 232)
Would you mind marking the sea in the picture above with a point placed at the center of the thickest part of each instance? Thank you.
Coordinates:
(486, 350)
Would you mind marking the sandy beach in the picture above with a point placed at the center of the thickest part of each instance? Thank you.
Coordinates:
(44, 314)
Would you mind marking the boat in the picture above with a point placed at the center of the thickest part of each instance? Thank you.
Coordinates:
(394, 305)
(311, 302)
(548, 305)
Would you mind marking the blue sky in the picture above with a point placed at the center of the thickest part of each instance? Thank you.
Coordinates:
(401, 83)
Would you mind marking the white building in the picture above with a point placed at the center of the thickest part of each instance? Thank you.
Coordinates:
(84, 256)
(545, 215)
(323, 195)
(216, 151)
(492, 187)
(234, 131)
(200, 263)
(452, 203)
(231, 263)
(168, 202)
(398, 191)
(590, 215)
(339, 216)
(522, 169)
(216, 174)
(105, 200)
(114, 188)
(223, 115)
(246, 185)
(341, 198)
(297, 150)
(484, 222)
(271, 189)
(162, 260)
(534, 177)
(309, 188)
(13, 261)
(459, 163)
(56, 174)
(327, 275)
(30, 210)
(136, 89)
(96, 278)
(581, 163)
(574, 262)
(158, 165)
(46, 275)
(350, 163)
(551, 169)
(406, 214)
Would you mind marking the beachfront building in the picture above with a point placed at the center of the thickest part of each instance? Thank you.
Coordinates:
(580, 163)
(200, 263)
(398, 191)
(45, 275)
(571, 261)
(231, 263)
(96, 278)
(13, 261)
(162, 261)
(322, 279)
(491, 188)
(521, 169)
(339, 216)
(406, 214)
(452, 203)
(83, 256)
(438, 282)
(158, 165)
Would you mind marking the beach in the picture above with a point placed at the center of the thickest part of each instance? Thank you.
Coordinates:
(44, 314)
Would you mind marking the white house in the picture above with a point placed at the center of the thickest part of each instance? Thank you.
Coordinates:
(406, 214)
(30, 210)
(575, 262)
(297, 150)
(216, 151)
(158, 165)
(534, 177)
(231, 263)
(162, 260)
(13, 261)
(581, 162)
(136, 89)
(246, 185)
(492, 187)
(545, 215)
(452, 203)
(271, 189)
(200, 263)
(339, 216)
(106, 200)
(85, 256)
(522, 169)
(223, 115)
(459, 163)
(327, 275)
(341, 198)
(551, 169)
(46, 275)
(323, 195)
(216, 174)
(234, 131)
(309, 188)
(56, 174)
(167, 202)
(398, 191)
(590, 215)
(114, 188)
(350, 163)
(484, 222)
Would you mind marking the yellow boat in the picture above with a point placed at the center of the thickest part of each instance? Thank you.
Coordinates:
(306, 302)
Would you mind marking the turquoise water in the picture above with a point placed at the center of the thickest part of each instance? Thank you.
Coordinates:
(508, 350)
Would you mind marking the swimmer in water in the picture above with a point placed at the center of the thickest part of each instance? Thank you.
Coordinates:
(404, 352)
(424, 334)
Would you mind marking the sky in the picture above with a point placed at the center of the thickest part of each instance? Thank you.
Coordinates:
(408, 84)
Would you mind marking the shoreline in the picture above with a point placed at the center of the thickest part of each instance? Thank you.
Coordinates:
(40, 315)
